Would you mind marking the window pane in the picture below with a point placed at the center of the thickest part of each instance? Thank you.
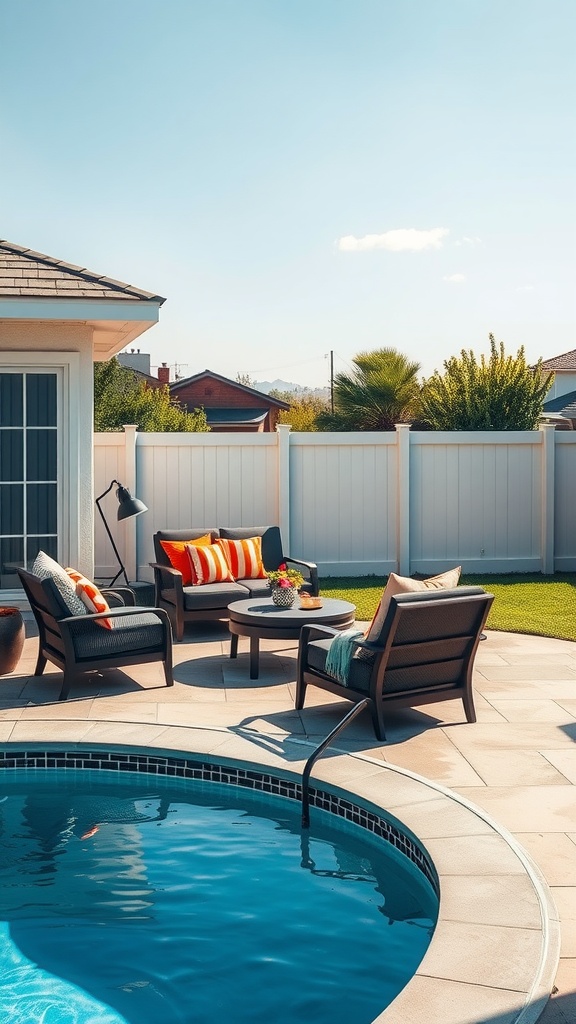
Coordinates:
(41, 399)
(11, 555)
(11, 454)
(12, 508)
(41, 508)
(11, 408)
(40, 455)
(36, 544)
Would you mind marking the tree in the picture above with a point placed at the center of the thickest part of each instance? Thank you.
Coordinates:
(382, 390)
(121, 397)
(304, 409)
(246, 380)
(498, 393)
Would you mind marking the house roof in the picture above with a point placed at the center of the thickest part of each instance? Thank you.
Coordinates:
(566, 361)
(235, 417)
(28, 274)
(559, 403)
(209, 374)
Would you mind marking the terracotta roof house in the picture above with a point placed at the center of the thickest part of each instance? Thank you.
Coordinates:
(229, 406)
(56, 319)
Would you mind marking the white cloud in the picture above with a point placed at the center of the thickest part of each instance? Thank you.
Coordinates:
(455, 278)
(465, 240)
(398, 240)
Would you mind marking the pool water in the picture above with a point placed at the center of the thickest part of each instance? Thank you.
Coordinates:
(154, 901)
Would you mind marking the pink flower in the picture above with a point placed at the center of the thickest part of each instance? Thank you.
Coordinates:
(282, 568)
(284, 583)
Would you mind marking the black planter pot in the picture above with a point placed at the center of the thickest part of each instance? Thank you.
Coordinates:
(11, 639)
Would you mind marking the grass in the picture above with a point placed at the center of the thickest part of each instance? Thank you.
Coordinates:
(524, 603)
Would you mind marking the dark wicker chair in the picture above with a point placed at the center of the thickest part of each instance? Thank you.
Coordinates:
(201, 603)
(77, 644)
(425, 653)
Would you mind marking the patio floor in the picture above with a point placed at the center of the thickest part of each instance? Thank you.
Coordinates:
(517, 763)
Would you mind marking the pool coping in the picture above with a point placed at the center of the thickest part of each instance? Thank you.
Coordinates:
(496, 947)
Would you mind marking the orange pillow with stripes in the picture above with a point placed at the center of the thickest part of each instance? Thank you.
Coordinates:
(208, 564)
(244, 557)
(90, 596)
(179, 557)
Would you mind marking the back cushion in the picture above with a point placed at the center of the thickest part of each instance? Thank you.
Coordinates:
(179, 558)
(90, 596)
(46, 568)
(208, 564)
(404, 585)
(244, 558)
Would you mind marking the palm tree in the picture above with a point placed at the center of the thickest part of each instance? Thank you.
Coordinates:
(381, 391)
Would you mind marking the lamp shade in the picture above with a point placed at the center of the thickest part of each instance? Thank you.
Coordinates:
(127, 505)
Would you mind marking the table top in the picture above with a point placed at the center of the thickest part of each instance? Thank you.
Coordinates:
(263, 610)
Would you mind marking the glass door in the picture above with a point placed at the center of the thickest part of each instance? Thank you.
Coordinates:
(28, 470)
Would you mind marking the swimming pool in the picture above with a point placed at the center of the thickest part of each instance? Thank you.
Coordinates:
(168, 899)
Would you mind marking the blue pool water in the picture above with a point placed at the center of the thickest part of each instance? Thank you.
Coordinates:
(152, 901)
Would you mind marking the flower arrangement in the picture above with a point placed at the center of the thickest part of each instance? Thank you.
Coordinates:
(284, 577)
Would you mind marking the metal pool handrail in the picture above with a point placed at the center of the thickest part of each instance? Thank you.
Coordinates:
(319, 750)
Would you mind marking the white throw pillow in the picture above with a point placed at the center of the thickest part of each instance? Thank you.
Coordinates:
(46, 568)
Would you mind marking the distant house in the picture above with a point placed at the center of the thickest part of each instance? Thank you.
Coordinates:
(561, 400)
(229, 406)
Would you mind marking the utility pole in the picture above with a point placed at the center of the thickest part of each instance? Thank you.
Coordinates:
(332, 382)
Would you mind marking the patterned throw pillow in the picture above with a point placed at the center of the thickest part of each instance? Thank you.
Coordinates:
(208, 564)
(91, 597)
(46, 568)
(178, 555)
(244, 557)
(404, 585)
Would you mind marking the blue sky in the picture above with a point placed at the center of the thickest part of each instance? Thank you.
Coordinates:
(303, 176)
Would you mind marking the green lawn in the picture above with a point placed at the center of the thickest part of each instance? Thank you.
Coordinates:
(523, 603)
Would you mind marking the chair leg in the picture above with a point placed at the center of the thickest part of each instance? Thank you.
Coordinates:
(377, 712)
(66, 684)
(40, 664)
(300, 693)
(167, 666)
(468, 702)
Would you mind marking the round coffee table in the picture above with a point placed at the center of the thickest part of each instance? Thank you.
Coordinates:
(260, 619)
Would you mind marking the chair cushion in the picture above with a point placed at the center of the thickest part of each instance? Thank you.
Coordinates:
(212, 596)
(131, 635)
(208, 564)
(179, 557)
(405, 585)
(47, 569)
(359, 671)
(90, 596)
(256, 588)
(244, 557)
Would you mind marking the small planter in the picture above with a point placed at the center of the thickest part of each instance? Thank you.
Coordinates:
(11, 639)
(284, 597)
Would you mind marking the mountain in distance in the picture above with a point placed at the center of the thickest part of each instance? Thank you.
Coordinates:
(266, 386)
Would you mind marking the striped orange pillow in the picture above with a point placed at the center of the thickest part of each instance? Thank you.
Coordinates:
(208, 564)
(90, 596)
(179, 558)
(244, 557)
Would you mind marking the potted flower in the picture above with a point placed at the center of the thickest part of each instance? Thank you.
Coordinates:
(284, 583)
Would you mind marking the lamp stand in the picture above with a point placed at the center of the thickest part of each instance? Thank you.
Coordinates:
(121, 570)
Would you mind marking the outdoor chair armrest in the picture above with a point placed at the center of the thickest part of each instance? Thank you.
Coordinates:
(168, 578)
(315, 631)
(312, 571)
(114, 613)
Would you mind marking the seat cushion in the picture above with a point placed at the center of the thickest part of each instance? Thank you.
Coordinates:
(212, 596)
(359, 672)
(256, 588)
(132, 634)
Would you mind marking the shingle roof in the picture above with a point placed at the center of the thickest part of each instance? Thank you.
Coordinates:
(566, 361)
(28, 274)
(185, 381)
(560, 403)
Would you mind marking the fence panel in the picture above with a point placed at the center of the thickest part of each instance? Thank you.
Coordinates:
(565, 501)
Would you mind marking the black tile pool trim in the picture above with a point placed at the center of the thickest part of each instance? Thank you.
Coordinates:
(248, 778)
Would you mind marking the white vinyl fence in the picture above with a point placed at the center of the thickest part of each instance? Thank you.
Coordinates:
(356, 503)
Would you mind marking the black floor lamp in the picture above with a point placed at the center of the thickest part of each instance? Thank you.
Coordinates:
(127, 507)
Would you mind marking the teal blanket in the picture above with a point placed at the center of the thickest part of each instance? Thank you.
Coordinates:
(340, 654)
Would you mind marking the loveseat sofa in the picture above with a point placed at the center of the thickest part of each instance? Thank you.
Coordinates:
(210, 601)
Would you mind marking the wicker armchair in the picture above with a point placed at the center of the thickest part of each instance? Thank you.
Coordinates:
(77, 644)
